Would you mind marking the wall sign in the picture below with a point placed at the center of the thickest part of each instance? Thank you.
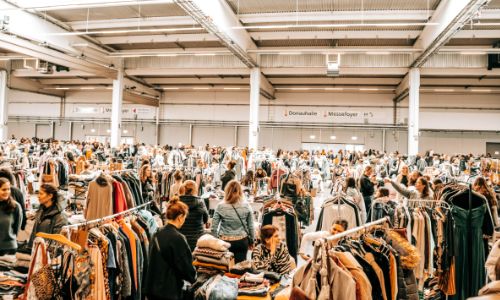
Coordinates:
(322, 115)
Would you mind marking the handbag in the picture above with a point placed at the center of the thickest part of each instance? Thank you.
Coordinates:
(43, 280)
(250, 240)
(288, 189)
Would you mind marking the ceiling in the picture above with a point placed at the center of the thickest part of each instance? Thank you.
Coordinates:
(164, 47)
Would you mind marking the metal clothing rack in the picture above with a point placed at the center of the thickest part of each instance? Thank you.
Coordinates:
(111, 217)
(354, 230)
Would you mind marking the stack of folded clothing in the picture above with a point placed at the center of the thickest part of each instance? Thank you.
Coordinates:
(7, 261)
(12, 283)
(212, 253)
(253, 285)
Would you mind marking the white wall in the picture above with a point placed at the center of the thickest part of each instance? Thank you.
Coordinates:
(438, 112)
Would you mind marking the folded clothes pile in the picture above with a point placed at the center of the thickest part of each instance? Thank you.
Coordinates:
(253, 285)
(12, 283)
(212, 253)
(8, 261)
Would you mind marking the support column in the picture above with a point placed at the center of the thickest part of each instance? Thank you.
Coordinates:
(190, 142)
(383, 140)
(4, 107)
(116, 110)
(253, 126)
(158, 125)
(413, 111)
(235, 136)
(70, 133)
(53, 129)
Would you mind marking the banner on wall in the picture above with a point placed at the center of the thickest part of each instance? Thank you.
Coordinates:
(331, 115)
(104, 110)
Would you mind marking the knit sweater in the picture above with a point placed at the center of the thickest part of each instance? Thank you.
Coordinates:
(10, 223)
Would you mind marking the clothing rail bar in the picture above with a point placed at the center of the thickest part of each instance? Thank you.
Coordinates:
(356, 229)
(107, 217)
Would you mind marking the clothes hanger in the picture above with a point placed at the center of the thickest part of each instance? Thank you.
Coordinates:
(61, 239)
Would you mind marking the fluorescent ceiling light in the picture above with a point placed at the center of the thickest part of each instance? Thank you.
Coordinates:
(170, 88)
(166, 55)
(354, 138)
(109, 88)
(201, 88)
(444, 90)
(472, 53)
(87, 88)
(76, 4)
(334, 89)
(300, 89)
(62, 88)
(204, 54)
(332, 137)
(292, 26)
(123, 31)
(312, 136)
(368, 89)
(92, 130)
(232, 88)
(481, 90)
(378, 53)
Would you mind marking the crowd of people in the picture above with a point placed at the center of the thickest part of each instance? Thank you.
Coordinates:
(364, 177)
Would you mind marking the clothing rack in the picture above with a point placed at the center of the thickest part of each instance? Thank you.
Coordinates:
(111, 217)
(355, 230)
(428, 201)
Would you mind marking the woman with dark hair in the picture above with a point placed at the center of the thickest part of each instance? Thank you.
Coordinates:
(10, 219)
(15, 193)
(233, 221)
(146, 177)
(229, 175)
(481, 186)
(193, 228)
(271, 254)
(354, 194)
(50, 217)
(170, 259)
(248, 182)
(422, 189)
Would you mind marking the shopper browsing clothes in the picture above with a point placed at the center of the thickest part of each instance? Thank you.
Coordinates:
(309, 238)
(170, 259)
(10, 219)
(233, 221)
(50, 217)
(194, 226)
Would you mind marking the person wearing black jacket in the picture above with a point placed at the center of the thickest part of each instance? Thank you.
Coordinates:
(367, 188)
(193, 228)
(15, 193)
(229, 175)
(170, 260)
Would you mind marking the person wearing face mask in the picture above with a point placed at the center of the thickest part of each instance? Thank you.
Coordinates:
(271, 254)
(308, 238)
(422, 189)
(170, 259)
(10, 219)
(50, 217)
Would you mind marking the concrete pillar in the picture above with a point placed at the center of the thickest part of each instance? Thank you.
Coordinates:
(70, 133)
(235, 136)
(158, 125)
(253, 126)
(413, 111)
(116, 110)
(190, 141)
(4, 107)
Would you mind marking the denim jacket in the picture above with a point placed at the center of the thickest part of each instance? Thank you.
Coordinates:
(227, 223)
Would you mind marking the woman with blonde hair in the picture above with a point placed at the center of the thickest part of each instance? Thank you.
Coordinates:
(233, 221)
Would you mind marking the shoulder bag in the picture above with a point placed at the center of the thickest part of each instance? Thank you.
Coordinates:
(250, 240)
